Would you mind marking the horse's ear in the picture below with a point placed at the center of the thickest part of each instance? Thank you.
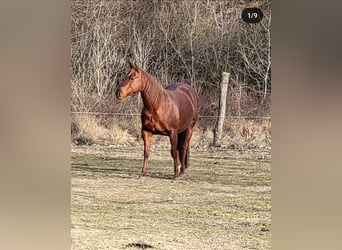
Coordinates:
(133, 65)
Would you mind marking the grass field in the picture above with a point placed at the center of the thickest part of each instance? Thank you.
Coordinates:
(223, 201)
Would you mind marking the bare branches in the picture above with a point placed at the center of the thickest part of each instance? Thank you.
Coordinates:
(192, 41)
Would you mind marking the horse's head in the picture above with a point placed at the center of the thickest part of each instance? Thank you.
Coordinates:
(131, 84)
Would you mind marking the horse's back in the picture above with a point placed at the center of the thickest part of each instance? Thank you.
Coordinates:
(178, 87)
(178, 90)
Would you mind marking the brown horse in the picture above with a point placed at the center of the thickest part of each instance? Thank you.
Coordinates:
(172, 111)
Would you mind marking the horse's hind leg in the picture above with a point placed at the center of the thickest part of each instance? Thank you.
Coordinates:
(175, 152)
(181, 138)
(184, 148)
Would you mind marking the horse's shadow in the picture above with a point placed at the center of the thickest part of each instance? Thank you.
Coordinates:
(158, 175)
(119, 168)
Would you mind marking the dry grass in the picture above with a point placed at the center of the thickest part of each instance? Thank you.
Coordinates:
(223, 202)
(86, 129)
(238, 133)
(248, 133)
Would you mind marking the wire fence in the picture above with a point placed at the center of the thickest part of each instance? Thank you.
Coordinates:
(114, 127)
(200, 116)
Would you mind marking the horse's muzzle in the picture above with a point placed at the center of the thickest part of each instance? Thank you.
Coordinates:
(118, 95)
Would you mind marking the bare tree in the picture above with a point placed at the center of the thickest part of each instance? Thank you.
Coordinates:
(192, 41)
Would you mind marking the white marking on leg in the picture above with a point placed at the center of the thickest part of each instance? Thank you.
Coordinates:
(179, 167)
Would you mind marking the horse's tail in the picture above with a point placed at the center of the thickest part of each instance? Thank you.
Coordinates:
(187, 158)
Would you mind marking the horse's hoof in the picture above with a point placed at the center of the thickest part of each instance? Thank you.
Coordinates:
(142, 176)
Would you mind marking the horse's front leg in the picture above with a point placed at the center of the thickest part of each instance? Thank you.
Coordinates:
(147, 136)
(174, 152)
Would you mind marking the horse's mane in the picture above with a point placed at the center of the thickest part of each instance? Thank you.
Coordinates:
(153, 92)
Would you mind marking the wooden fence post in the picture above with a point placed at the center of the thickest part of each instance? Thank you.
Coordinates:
(222, 114)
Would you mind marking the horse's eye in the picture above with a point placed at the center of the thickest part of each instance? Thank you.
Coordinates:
(131, 78)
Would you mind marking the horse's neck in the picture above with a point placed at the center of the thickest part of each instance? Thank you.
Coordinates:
(152, 94)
